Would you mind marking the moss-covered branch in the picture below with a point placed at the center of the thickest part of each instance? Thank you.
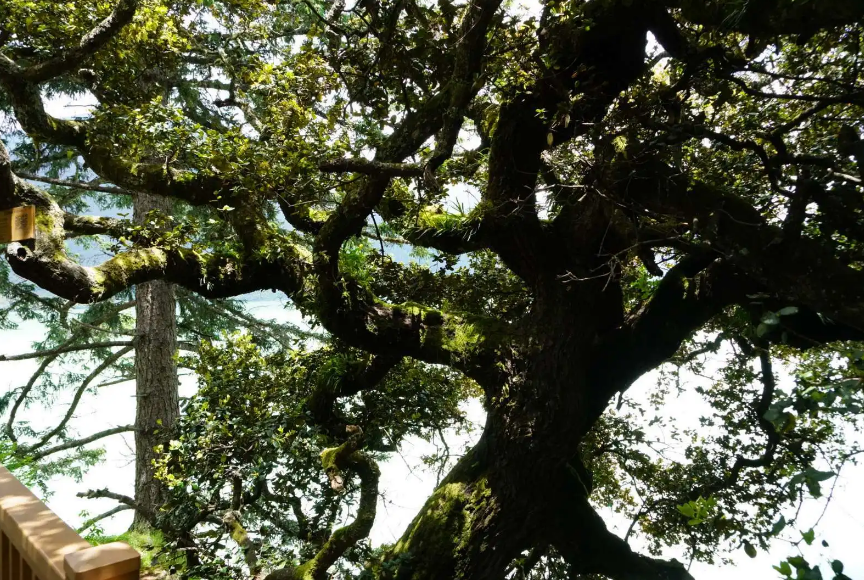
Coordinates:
(26, 100)
(372, 167)
(46, 263)
(234, 526)
(7, 178)
(193, 188)
(336, 460)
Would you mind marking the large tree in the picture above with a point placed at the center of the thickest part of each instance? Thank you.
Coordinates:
(650, 173)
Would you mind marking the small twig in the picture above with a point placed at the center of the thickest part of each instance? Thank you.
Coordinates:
(378, 233)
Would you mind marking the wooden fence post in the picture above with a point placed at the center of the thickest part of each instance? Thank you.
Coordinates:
(35, 544)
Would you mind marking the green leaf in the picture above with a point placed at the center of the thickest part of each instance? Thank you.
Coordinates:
(808, 536)
(837, 566)
(778, 526)
(788, 311)
(687, 509)
(770, 318)
(773, 413)
(819, 475)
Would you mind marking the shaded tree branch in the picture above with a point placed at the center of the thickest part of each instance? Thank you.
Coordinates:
(83, 441)
(65, 349)
(123, 499)
(96, 519)
(346, 456)
(737, 231)
(582, 538)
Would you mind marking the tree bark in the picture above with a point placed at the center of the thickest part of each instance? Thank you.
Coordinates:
(156, 374)
(524, 484)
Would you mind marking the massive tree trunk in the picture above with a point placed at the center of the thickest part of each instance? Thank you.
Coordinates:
(524, 486)
(156, 374)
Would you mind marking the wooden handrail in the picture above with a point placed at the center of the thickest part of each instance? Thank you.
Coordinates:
(35, 544)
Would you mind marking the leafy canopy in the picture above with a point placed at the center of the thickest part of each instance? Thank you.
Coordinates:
(649, 183)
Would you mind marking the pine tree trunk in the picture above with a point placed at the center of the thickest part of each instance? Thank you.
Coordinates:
(156, 374)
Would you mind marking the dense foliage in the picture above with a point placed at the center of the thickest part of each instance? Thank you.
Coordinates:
(591, 190)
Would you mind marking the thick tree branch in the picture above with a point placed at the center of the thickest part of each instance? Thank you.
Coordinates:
(7, 178)
(582, 538)
(195, 188)
(335, 460)
(763, 19)
(123, 499)
(801, 271)
(448, 233)
(607, 57)
(80, 225)
(690, 294)
(360, 376)
(298, 215)
(47, 264)
(234, 526)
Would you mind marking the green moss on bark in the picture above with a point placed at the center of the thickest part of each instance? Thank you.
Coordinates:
(122, 267)
(431, 546)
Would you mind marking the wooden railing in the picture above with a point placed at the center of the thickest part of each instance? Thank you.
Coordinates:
(37, 545)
